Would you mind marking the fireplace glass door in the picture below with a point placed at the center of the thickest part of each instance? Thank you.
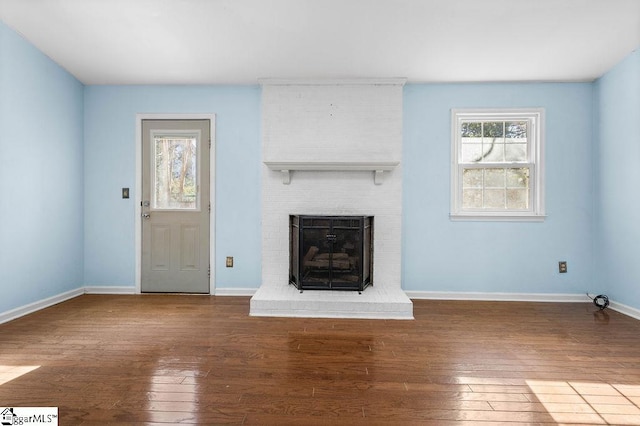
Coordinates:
(331, 252)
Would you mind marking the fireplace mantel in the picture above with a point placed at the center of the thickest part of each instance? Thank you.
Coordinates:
(377, 167)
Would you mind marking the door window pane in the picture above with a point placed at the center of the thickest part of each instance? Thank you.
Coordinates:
(175, 180)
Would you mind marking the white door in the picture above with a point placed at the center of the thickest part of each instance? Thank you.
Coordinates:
(175, 206)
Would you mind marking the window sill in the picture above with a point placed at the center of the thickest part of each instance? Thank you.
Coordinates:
(471, 217)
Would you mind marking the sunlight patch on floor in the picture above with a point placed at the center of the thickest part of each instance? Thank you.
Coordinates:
(588, 402)
(173, 396)
(10, 372)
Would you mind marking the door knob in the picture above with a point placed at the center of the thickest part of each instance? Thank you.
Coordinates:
(146, 215)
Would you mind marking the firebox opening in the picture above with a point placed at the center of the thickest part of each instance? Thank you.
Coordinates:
(331, 252)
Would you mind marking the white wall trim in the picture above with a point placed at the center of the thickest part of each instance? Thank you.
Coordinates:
(626, 310)
(230, 291)
(38, 305)
(138, 188)
(106, 289)
(496, 297)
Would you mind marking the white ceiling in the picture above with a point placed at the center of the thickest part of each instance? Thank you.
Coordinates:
(240, 41)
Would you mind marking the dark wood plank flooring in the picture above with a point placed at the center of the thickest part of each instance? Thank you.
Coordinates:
(170, 359)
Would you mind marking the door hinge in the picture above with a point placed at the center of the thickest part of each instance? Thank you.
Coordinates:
(209, 271)
(209, 143)
(209, 206)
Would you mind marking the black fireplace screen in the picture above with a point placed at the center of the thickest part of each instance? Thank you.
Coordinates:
(331, 252)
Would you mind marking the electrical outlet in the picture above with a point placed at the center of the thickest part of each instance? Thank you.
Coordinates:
(229, 261)
(562, 267)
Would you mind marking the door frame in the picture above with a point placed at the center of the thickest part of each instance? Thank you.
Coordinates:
(138, 189)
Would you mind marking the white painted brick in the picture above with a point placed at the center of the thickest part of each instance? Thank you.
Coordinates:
(306, 121)
(331, 123)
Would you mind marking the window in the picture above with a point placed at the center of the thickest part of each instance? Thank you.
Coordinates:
(175, 172)
(497, 171)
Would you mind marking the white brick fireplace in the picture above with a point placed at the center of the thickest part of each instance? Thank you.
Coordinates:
(332, 148)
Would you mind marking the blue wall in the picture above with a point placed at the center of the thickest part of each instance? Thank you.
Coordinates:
(110, 119)
(617, 169)
(439, 255)
(41, 175)
(513, 257)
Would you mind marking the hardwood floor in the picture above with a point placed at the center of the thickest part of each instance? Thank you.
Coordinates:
(166, 359)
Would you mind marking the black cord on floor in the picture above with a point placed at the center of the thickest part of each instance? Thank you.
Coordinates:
(601, 301)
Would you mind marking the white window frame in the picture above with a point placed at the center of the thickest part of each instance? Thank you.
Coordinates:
(535, 147)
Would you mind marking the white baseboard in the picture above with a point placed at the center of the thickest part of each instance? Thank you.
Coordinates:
(105, 289)
(495, 297)
(38, 305)
(624, 309)
(432, 295)
(234, 291)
